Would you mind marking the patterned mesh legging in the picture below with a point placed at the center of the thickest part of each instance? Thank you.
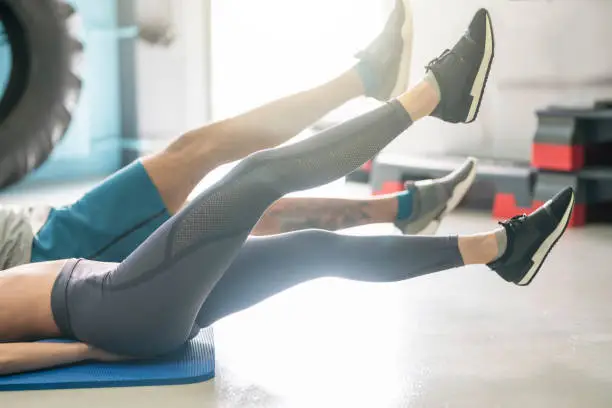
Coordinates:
(152, 302)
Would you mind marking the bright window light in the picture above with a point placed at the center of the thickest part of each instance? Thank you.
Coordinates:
(266, 49)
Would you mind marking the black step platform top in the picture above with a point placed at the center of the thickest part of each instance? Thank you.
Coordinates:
(449, 163)
(598, 173)
(593, 185)
(574, 126)
(579, 113)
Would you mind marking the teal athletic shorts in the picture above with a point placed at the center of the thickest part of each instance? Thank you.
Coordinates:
(107, 223)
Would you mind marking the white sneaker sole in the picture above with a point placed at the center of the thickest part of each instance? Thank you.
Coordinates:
(457, 195)
(540, 256)
(483, 73)
(403, 73)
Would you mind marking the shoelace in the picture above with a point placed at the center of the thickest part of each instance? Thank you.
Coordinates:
(514, 222)
(434, 61)
(442, 56)
(448, 52)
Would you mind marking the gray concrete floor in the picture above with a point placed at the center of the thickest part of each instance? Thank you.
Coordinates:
(462, 338)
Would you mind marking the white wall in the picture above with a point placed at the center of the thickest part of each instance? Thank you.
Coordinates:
(172, 81)
(547, 52)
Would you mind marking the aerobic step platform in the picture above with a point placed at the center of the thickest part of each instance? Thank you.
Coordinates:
(593, 188)
(569, 139)
(501, 185)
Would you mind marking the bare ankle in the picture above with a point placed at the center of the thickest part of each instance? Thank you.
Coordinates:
(421, 100)
(384, 209)
(478, 249)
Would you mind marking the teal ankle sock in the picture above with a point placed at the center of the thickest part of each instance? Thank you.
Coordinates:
(404, 205)
(367, 76)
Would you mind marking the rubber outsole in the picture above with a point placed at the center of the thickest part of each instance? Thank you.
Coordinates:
(482, 77)
(549, 243)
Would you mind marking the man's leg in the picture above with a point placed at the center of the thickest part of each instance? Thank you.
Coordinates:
(416, 210)
(298, 213)
(380, 73)
(176, 170)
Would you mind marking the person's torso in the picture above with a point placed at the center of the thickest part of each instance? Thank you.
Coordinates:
(25, 301)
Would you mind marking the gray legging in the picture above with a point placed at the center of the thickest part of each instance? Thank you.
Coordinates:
(157, 298)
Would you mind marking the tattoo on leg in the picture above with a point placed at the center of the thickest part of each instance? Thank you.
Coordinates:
(320, 214)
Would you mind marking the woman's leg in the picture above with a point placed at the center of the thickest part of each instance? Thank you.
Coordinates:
(266, 266)
(148, 304)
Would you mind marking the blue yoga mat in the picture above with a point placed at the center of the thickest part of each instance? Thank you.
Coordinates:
(194, 363)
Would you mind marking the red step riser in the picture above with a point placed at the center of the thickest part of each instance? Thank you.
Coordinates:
(557, 157)
(390, 187)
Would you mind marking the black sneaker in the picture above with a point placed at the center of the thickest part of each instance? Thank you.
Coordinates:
(384, 66)
(440, 197)
(530, 238)
(462, 72)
